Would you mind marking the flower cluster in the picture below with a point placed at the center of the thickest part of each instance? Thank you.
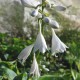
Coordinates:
(40, 43)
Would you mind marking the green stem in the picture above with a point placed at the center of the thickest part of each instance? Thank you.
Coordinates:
(39, 24)
(42, 16)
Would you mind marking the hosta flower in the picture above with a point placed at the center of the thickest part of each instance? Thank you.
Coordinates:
(30, 3)
(40, 43)
(57, 44)
(25, 53)
(35, 12)
(51, 22)
(34, 68)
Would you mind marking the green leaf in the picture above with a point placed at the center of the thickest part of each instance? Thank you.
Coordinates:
(74, 74)
(21, 77)
(49, 77)
(1, 77)
(78, 77)
(6, 63)
(8, 73)
(78, 65)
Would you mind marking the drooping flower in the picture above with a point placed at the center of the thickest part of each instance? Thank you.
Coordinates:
(51, 22)
(30, 3)
(35, 12)
(57, 44)
(25, 53)
(40, 43)
(34, 68)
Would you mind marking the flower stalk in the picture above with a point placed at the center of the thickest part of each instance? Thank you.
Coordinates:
(43, 15)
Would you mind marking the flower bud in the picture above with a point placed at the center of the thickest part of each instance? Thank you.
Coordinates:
(60, 8)
(46, 69)
(35, 12)
(46, 20)
(43, 66)
(48, 5)
(52, 23)
(30, 3)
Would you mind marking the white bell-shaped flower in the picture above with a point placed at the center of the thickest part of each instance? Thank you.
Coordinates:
(34, 68)
(25, 53)
(35, 12)
(51, 22)
(57, 44)
(30, 3)
(40, 43)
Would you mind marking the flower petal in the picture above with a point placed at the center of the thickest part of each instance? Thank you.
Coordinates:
(37, 73)
(33, 66)
(25, 53)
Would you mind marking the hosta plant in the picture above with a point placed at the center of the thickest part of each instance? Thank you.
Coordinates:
(40, 44)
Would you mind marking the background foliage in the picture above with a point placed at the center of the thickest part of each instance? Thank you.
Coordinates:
(65, 65)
